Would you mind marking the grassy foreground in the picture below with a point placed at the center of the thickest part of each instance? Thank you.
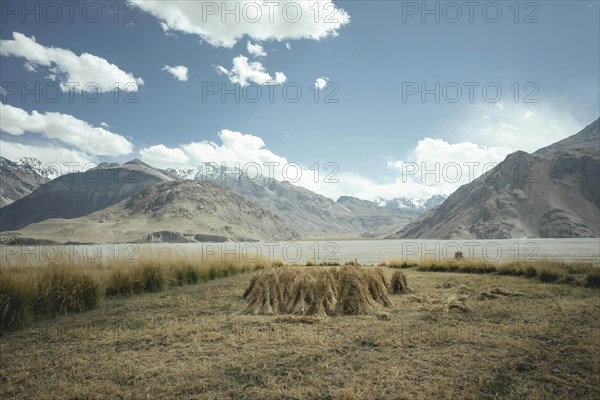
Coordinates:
(31, 291)
(513, 338)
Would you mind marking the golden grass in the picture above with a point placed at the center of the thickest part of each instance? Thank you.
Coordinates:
(195, 342)
(70, 285)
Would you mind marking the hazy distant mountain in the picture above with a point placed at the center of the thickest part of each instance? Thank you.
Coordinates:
(373, 219)
(417, 205)
(18, 179)
(309, 213)
(171, 211)
(554, 192)
(78, 194)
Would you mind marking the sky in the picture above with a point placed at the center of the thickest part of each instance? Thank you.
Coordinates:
(359, 98)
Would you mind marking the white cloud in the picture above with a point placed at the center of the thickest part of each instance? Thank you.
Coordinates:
(321, 82)
(224, 23)
(64, 128)
(244, 73)
(163, 157)
(288, 46)
(255, 49)
(180, 72)
(67, 160)
(104, 125)
(73, 71)
(515, 126)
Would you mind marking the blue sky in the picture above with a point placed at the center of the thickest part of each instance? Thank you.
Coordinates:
(374, 54)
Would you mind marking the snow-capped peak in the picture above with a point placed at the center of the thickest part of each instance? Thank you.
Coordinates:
(48, 171)
(415, 204)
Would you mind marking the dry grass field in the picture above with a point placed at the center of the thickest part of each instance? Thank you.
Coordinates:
(453, 336)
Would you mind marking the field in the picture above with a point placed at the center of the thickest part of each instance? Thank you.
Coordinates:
(452, 336)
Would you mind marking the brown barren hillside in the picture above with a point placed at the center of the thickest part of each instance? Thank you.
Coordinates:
(552, 193)
(184, 208)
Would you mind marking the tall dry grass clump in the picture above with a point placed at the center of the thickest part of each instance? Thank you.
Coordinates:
(61, 289)
(72, 283)
(320, 292)
(15, 303)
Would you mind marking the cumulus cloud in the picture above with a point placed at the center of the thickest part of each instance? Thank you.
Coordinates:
(180, 72)
(163, 157)
(288, 46)
(321, 82)
(255, 49)
(224, 23)
(72, 71)
(244, 73)
(64, 128)
(235, 147)
(515, 126)
(66, 160)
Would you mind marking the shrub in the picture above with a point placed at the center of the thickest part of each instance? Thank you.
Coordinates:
(15, 304)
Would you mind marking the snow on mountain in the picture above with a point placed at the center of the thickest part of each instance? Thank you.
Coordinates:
(48, 171)
(414, 204)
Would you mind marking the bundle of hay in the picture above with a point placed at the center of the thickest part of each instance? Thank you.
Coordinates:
(354, 297)
(376, 284)
(265, 295)
(313, 293)
(399, 284)
(287, 277)
(318, 292)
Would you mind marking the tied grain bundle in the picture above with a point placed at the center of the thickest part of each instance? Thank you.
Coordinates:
(398, 284)
(318, 292)
(265, 296)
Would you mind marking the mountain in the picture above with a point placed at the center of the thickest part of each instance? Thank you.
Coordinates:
(20, 179)
(374, 219)
(416, 204)
(48, 171)
(554, 192)
(171, 211)
(309, 213)
(77, 194)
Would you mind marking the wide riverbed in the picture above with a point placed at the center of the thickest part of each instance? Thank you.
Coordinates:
(365, 251)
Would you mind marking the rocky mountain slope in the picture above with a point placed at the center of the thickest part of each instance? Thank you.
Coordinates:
(553, 192)
(309, 213)
(78, 194)
(171, 211)
(18, 179)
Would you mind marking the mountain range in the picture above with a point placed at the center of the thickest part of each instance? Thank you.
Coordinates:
(553, 192)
